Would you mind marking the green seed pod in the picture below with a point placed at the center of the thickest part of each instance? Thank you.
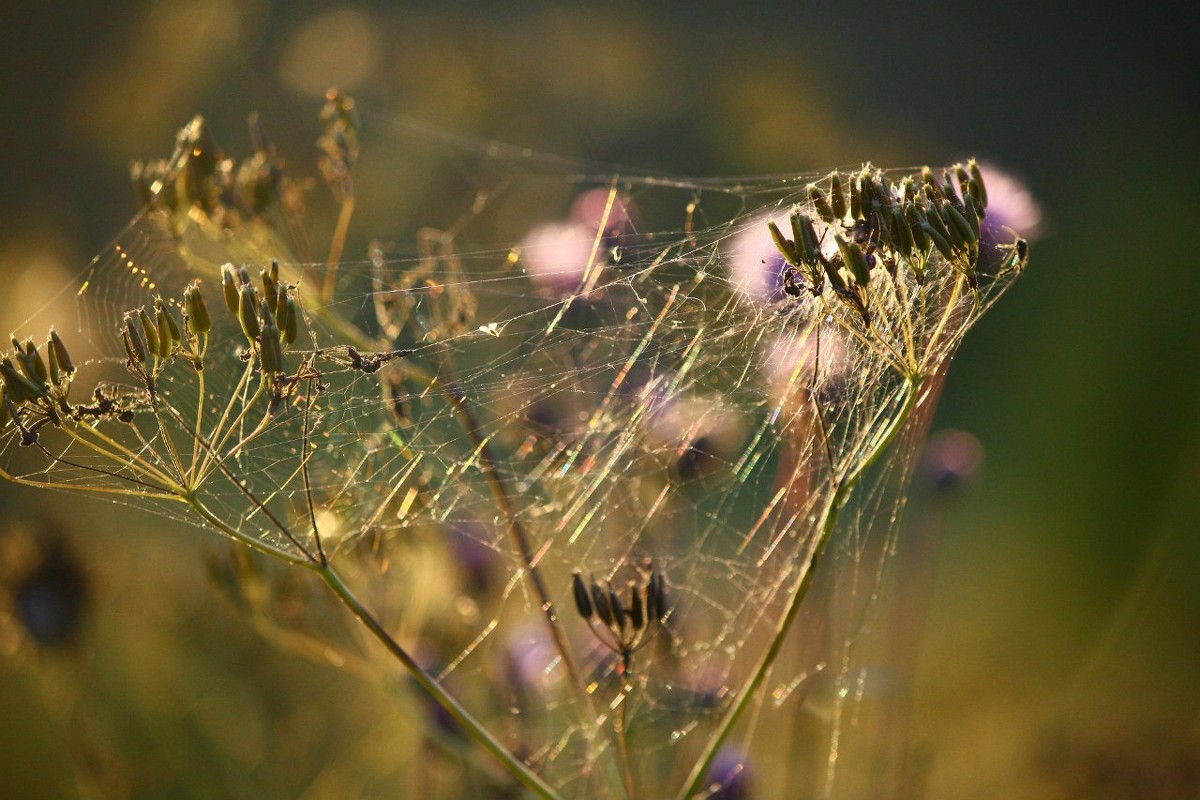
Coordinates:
(835, 277)
(270, 284)
(229, 288)
(902, 240)
(933, 217)
(198, 320)
(135, 342)
(149, 331)
(821, 203)
(20, 388)
(166, 341)
(964, 179)
(248, 312)
(933, 189)
(856, 260)
(5, 414)
(939, 241)
(291, 321)
(32, 363)
(856, 209)
(916, 221)
(56, 374)
(271, 350)
(977, 182)
(583, 601)
(60, 353)
(957, 223)
(784, 246)
(837, 195)
(243, 276)
(806, 239)
(168, 328)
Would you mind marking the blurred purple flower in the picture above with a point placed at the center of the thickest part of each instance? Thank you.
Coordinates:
(556, 255)
(529, 660)
(755, 265)
(1010, 205)
(952, 458)
(728, 778)
(597, 207)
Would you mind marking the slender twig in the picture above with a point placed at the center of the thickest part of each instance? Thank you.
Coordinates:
(798, 592)
(472, 726)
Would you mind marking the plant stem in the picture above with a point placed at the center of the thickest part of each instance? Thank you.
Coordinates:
(472, 726)
(798, 592)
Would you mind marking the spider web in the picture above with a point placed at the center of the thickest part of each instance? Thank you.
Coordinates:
(628, 382)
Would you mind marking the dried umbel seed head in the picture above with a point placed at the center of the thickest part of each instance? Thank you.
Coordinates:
(622, 620)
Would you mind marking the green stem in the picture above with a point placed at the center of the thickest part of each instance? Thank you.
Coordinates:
(472, 726)
(840, 495)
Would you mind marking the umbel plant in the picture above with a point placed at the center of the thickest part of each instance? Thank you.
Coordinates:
(658, 467)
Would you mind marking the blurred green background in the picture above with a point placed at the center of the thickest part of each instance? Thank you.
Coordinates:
(1062, 641)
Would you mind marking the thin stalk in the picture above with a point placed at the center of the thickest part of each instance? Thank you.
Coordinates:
(335, 249)
(798, 593)
(472, 726)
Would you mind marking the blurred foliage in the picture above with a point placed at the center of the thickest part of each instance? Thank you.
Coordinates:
(1061, 643)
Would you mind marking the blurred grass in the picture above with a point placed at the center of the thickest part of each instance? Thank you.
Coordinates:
(1062, 643)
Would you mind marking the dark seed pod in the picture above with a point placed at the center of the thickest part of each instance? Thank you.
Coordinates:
(583, 601)
(806, 239)
(636, 612)
(656, 597)
(603, 607)
(229, 288)
(5, 412)
(856, 203)
(619, 612)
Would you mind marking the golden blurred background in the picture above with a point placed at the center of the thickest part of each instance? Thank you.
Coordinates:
(1062, 631)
